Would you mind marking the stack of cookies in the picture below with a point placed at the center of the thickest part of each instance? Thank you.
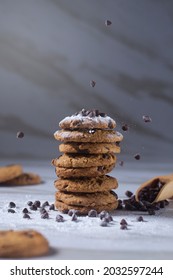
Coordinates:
(89, 147)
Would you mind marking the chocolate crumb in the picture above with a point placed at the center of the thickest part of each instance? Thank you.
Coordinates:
(12, 204)
(92, 83)
(20, 134)
(146, 119)
(108, 22)
(137, 156)
(11, 211)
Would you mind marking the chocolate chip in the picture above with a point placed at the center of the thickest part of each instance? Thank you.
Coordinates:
(59, 218)
(37, 203)
(74, 217)
(30, 203)
(52, 207)
(45, 215)
(11, 211)
(33, 207)
(140, 219)
(123, 222)
(43, 210)
(123, 227)
(12, 204)
(137, 156)
(92, 213)
(146, 119)
(103, 214)
(20, 134)
(103, 223)
(125, 127)
(120, 204)
(46, 203)
(128, 193)
(26, 216)
(25, 210)
(71, 212)
(108, 22)
(92, 83)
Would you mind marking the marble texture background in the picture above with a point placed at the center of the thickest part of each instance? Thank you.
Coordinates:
(51, 49)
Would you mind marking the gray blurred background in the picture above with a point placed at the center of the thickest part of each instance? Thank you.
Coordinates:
(51, 49)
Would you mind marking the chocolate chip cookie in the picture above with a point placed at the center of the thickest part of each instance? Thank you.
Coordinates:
(23, 180)
(10, 172)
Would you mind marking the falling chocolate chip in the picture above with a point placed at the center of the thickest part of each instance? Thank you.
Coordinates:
(12, 204)
(59, 218)
(146, 119)
(108, 22)
(11, 211)
(92, 213)
(125, 127)
(92, 83)
(137, 156)
(20, 134)
(26, 216)
(140, 219)
(128, 193)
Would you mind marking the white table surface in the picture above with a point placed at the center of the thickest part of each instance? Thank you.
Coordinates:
(86, 239)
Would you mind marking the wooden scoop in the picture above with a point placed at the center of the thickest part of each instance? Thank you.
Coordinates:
(166, 190)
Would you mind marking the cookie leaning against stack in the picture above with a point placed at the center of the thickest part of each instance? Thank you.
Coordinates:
(89, 147)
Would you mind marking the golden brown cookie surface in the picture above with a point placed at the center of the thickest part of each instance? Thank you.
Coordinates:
(22, 244)
(95, 171)
(87, 160)
(89, 136)
(23, 180)
(87, 185)
(10, 172)
(89, 148)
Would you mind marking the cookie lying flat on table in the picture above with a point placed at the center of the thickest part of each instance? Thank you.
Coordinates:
(22, 244)
(88, 136)
(10, 172)
(89, 148)
(23, 180)
(95, 171)
(87, 185)
(88, 160)
(88, 119)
